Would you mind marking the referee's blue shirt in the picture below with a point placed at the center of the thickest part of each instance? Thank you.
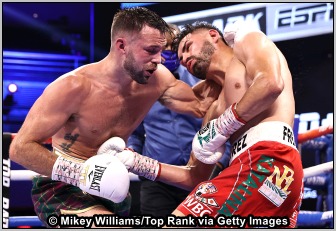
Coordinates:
(165, 135)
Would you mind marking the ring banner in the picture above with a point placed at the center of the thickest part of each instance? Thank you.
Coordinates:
(7, 139)
(279, 21)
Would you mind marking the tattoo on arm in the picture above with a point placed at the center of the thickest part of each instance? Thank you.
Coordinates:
(72, 139)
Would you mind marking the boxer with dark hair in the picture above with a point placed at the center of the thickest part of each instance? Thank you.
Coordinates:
(255, 112)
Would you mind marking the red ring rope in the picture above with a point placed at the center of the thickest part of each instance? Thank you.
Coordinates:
(314, 133)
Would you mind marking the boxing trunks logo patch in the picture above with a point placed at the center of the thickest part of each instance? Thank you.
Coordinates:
(206, 188)
(277, 193)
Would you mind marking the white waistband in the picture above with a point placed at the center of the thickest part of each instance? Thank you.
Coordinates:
(60, 153)
(266, 131)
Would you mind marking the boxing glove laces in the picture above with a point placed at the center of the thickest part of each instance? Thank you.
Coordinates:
(134, 162)
(101, 175)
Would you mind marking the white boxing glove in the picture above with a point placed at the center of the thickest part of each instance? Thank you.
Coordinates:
(235, 31)
(112, 146)
(139, 164)
(134, 162)
(208, 143)
(101, 175)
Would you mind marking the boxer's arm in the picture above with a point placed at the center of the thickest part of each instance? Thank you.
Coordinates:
(261, 59)
(48, 114)
(186, 177)
(207, 89)
(180, 97)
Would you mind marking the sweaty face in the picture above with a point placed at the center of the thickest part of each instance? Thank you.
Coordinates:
(144, 54)
(203, 59)
(136, 73)
(195, 54)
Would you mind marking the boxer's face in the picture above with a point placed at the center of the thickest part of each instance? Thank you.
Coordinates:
(195, 52)
(144, 54)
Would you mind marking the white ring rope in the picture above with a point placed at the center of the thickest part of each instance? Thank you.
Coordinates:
(21, 175)
(318, 169)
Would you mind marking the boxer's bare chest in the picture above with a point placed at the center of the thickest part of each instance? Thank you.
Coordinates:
(104, 115)
(99, 119)
(236, 82)
(234, 86)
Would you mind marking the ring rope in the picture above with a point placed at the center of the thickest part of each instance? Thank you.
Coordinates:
(20, 175)
(314, 218)
(17, 221)
(23, 175)
(318, 169)
(314, 133)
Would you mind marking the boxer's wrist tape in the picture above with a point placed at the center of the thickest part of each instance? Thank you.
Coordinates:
(234, 110)
(229, 121)
(66, 170)
(146, 167)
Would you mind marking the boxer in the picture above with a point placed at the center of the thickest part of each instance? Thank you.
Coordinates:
(254, 112)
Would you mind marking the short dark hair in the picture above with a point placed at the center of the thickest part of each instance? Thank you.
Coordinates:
(190, 28)
(135, 18)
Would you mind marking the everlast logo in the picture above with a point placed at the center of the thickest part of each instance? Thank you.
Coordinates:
(97, 175)
(239, 145)
(288, 135)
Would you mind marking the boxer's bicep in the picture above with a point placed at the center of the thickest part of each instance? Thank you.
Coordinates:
(180, 98)
(259, 55)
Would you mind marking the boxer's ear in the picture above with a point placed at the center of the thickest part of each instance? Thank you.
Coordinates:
(120, 44)
(214, 35)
